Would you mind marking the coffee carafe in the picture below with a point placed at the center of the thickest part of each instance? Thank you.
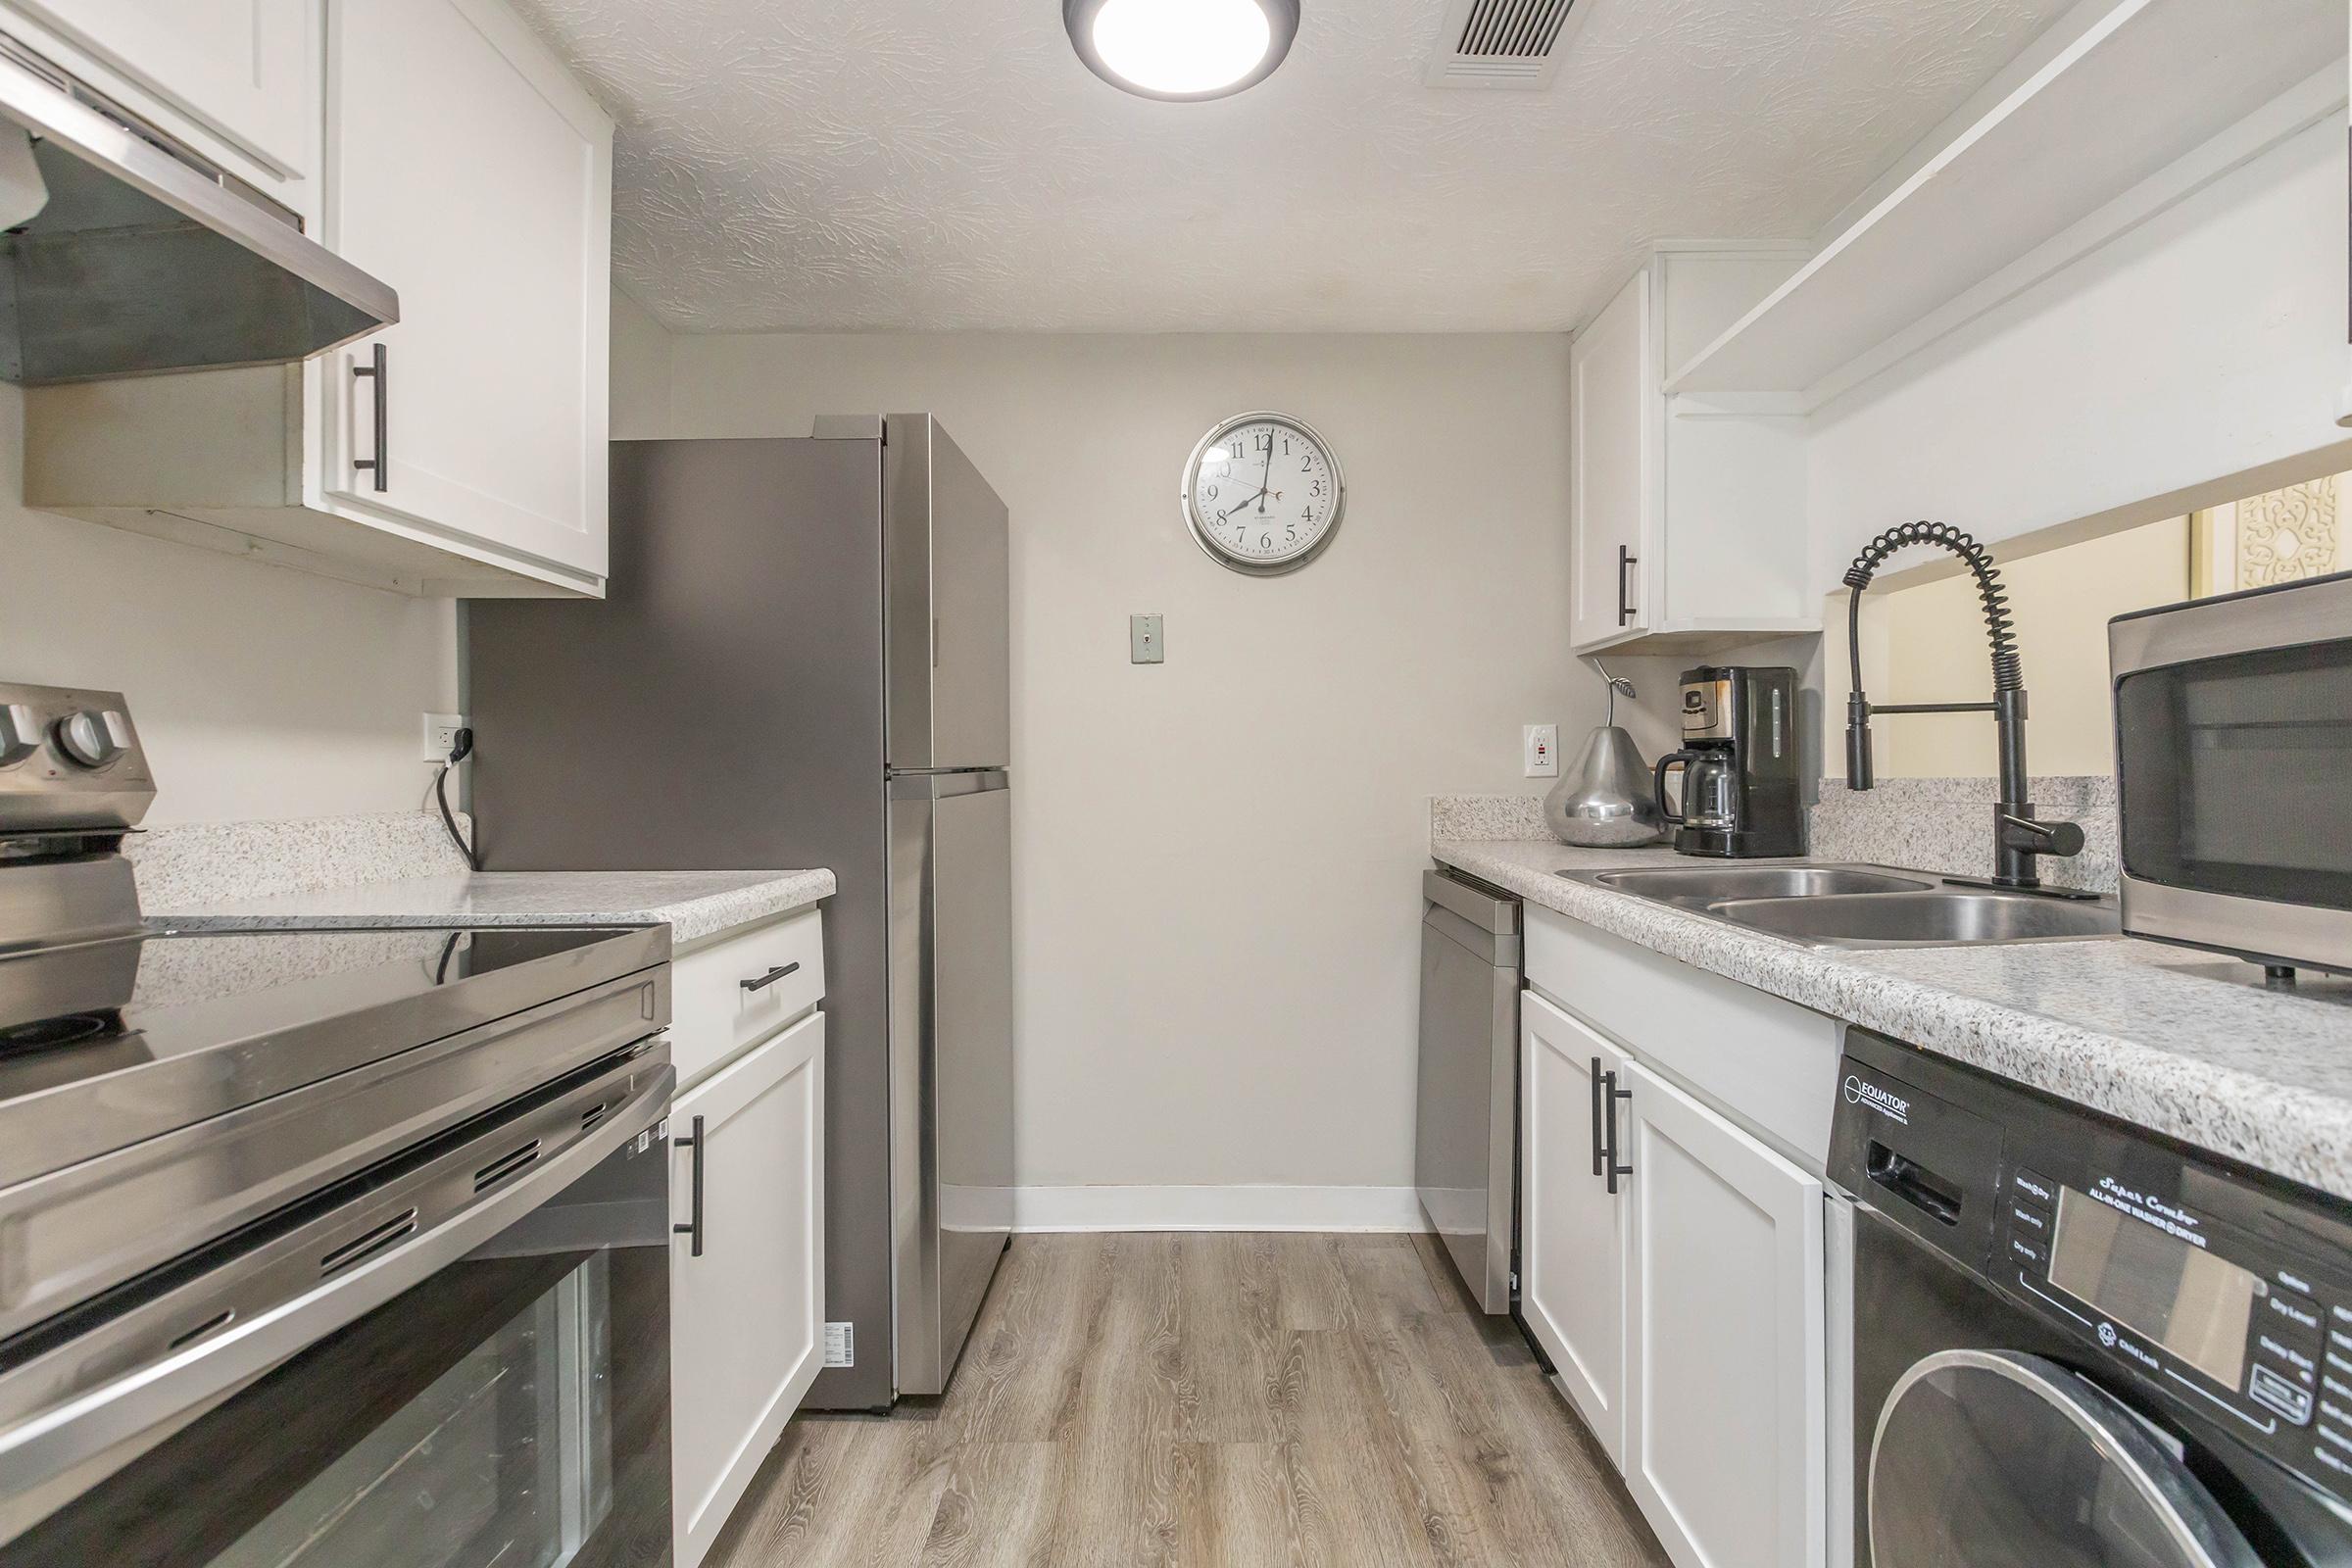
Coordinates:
(1739, 793)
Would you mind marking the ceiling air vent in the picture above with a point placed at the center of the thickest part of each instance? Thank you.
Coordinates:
(1504, 43)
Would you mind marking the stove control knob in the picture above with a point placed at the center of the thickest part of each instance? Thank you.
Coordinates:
(20, 733)
(91, 740)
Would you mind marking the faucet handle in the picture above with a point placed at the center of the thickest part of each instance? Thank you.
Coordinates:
(2060, 839)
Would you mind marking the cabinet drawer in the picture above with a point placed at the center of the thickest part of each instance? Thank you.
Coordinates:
(712, 1012)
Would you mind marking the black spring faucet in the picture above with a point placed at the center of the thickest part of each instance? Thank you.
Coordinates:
(2018, 838)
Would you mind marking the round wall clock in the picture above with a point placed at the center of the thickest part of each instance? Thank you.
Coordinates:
(1262, 494)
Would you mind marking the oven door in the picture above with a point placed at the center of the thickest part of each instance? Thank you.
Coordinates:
(2233, 740)
(461, 1357)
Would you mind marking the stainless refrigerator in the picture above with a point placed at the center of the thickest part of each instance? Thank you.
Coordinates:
(802, 662)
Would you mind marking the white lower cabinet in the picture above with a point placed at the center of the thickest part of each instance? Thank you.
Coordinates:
(747, 1278)
(1725, 1441)
(1683, 1310)
(1572, 1253)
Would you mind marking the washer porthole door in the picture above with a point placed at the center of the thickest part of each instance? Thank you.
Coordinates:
(1993, 1459)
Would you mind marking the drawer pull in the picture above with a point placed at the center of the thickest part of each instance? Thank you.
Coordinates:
(698, 1141)
(771, 977)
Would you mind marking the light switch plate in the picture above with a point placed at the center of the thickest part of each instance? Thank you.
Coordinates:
(441, 735)
(1540, 744)
(1147, 642)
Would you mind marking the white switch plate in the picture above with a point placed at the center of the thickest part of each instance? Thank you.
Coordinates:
(441, 735)
(1540, 746)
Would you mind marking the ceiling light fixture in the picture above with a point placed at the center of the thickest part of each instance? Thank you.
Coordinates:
(1182, 50)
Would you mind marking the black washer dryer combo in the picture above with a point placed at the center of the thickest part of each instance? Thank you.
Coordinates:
(2077, 1344)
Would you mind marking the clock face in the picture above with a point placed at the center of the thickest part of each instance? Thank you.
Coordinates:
(1263, 494)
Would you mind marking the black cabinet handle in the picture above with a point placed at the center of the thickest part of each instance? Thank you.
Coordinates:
(1615, 1094)
(383, 419)
(771, 977)
(1626, 561)
(1599, 1143)
(693, 1225)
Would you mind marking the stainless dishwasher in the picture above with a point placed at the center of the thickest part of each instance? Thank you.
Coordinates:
(1466, 1116)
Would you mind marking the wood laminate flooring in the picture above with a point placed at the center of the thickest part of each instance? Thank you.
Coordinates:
(1208, 1401)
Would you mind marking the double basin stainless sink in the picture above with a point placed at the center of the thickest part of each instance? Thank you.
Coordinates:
(1862, 905)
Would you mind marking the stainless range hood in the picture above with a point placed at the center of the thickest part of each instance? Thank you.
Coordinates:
(142, 256)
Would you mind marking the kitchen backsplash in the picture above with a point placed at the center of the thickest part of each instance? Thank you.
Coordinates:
(1460, 818)
(1928, 824)
(204, 862)
(1945, 824)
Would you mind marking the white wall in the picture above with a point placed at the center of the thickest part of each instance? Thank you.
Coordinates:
(258, 692)
(1924, 641)
(1217, 895)
(2195, 360)
(641, 369)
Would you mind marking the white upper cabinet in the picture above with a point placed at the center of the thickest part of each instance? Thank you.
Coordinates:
(244, 71)
(470, 172)
(1613, 407)
(1688, 516)
(463, 166)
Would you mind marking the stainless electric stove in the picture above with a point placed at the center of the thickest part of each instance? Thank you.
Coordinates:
(316, 1246)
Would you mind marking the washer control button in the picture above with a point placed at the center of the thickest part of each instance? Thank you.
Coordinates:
(2033, 1186)
(2268, 1388)
(2293, 1317)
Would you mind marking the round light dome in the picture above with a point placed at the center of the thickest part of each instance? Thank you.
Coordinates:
(1182, 50)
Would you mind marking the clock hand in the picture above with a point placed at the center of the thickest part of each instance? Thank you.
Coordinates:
(1227, 515)
(1268, 477)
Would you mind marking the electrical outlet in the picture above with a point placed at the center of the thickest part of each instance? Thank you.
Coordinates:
(441, 735)
(1540, 746)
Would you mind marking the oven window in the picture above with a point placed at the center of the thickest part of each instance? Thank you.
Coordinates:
(2233, 774)
(510, 1411)
(507, 1457)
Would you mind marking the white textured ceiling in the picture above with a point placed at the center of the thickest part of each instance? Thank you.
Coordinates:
(949, 164)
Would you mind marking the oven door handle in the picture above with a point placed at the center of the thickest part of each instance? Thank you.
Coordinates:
(44, 1443)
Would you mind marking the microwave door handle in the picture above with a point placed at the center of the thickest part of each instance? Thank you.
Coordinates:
(44, 1443)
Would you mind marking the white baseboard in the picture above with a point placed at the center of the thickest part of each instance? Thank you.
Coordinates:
(1217, 1208)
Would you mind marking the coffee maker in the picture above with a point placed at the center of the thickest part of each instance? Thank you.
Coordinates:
(1740, 793)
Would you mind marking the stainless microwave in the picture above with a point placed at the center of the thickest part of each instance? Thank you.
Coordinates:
(2233, 768)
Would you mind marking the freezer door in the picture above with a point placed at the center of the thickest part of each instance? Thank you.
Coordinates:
(951, 1047)
(947, 617)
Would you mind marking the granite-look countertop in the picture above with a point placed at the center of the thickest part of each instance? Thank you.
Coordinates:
(693, 904)
(2182, 1043)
